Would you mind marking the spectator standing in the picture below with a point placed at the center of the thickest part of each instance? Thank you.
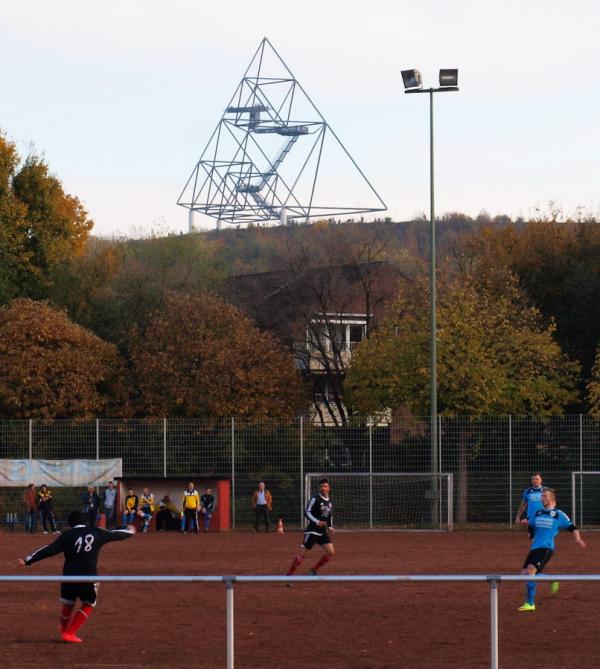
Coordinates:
(110, 504)
(207, 506)
(190, 507)
(147, 507)
(91, 504)
(262, 503)
(131, 506)
(29, 499)
(44, 503)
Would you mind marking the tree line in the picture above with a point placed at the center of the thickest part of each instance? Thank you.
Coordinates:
(125, 327)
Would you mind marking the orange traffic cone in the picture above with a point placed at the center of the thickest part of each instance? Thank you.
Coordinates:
(280, 529)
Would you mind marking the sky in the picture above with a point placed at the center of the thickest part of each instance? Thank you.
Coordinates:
(121, 97)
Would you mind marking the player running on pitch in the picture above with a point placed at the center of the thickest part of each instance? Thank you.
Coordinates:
(532, 501)
(81, 546)
(547, 523)
(319, 514)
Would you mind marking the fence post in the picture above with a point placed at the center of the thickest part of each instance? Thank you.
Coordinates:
(230, 623)
(30, 439)
(165, 448)
(573, 497)
(580, 469)
(232, 476)
(510, 482)
(494, 622)
(441, 469)
(301, 471)
(97, 439)
(370, 473)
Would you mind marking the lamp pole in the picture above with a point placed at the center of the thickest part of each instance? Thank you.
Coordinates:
(412, 83)
(435, 466)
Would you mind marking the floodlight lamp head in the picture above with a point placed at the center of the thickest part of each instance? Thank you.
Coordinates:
(448, 77)
(412, 79)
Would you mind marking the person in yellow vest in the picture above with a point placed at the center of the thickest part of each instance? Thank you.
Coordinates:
(44, 503)
(147, 508)
(190, 506)
(131, 507)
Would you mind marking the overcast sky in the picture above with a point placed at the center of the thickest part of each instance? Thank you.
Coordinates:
(121, 97)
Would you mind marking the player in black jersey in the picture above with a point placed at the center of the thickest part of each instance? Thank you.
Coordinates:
(319, 517)
(81, 546)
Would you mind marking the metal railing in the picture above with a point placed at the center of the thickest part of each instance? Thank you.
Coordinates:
(229, 581)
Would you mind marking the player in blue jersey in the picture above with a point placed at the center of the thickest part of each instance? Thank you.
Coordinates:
(547, 523)
(532, 501)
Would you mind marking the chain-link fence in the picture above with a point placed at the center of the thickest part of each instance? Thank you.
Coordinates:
(492, 457)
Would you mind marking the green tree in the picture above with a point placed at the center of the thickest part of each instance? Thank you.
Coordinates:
(116, 284)
(557, 265)
(15, 257)
(40, 225)
(495, 356)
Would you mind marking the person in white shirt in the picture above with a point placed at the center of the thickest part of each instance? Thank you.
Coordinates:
(110, 504)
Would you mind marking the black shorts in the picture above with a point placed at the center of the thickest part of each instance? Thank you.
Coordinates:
(310, 539)
(531, 531)
(539, 558)
(85, 592)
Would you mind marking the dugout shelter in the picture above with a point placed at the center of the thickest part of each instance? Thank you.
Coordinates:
(174, 487)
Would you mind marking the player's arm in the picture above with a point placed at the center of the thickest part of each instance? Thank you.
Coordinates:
(520, 510)
(116, 535)
(54, 548)
(564, 522)
(308, 512)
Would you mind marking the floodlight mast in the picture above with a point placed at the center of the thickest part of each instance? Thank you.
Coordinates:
(413, 84)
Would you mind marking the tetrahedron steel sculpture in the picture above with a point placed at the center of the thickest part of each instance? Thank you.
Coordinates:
(273, 156)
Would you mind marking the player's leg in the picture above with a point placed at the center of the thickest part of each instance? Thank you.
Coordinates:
(530, 589)
(87, 595)
(534, 564)
(329, 552)
(308, 543)
(67, 605)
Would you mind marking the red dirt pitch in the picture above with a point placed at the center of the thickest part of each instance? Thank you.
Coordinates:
(339, 626)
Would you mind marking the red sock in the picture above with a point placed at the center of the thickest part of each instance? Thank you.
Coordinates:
(323, 561)
(65, 616)
(79, 618)
(297, 561)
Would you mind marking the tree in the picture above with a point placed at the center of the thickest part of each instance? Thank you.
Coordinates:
(51, 367)
(593, 386)
(200, 356)
(557, 265)
(495, 356)
(116, 284)
(40, 225)
(15, 258)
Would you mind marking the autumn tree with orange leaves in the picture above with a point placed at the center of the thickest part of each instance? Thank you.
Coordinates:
(51, 367)
(200, 356)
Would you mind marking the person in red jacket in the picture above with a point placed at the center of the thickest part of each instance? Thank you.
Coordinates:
(30, 502)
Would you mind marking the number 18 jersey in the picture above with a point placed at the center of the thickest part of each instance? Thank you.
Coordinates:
(80, 546)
